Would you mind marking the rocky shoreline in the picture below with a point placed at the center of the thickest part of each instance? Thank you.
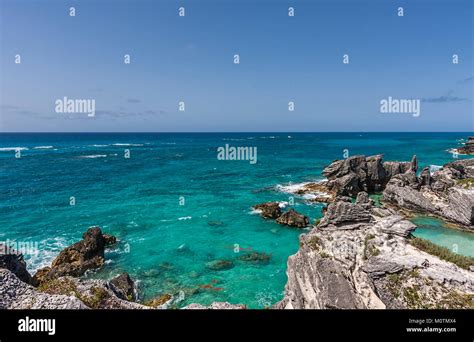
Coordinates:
(60, 285)
(361, 256)
(358, 256)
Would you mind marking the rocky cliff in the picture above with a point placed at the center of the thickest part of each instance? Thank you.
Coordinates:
(363, 257)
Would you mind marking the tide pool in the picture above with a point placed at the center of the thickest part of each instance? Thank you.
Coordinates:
(436, 231)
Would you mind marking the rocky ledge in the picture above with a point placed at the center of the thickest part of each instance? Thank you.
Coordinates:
(361, 256)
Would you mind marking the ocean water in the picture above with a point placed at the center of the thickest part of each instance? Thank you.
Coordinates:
(166, 245)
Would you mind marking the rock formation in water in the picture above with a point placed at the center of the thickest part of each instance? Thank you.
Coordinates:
(467, 148)
(76, 259)
(292, 218)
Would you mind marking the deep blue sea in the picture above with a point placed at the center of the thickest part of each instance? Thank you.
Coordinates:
(175, 207)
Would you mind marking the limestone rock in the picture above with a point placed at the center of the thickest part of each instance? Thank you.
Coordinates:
(270, 210)
(293, 219)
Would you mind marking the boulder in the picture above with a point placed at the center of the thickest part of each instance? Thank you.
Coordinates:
(76, 259)
(293, 219)
(124, 287)
(269, 210)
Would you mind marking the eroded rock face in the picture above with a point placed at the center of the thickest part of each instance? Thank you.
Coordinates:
(371, 266)
(16, 294)
(350, 176)
(76, 259)
(269, 210)
(344, 214)
(293, 219)
(14, 262)
(448, 193)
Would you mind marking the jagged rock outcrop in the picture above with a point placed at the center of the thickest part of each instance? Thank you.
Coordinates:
(269, 210)
(216, 306)
(124, 287)
(76, 259)
(350, 176)
(467, 148)
(293, 219)
(370, 266)
(13, 261)
(448, 193)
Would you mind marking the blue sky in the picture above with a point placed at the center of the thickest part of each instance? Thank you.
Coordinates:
(190, 59)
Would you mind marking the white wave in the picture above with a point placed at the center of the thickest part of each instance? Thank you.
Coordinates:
(233, 139)
(13, 148)
(42, 147)
(434, 168)
(255, 211)
(184, 218)
(291, 188)
(94, 156)
(283, 204)
(168, 143)
(455, 151)
(98, 145)
(48, 251)
(119, 144)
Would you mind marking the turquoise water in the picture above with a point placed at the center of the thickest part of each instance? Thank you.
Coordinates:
(435, 230)
(163, 244)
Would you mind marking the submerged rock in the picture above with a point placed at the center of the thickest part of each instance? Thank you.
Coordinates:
(160, 302)
(255, 257)
(220, 265)
(293, 219)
